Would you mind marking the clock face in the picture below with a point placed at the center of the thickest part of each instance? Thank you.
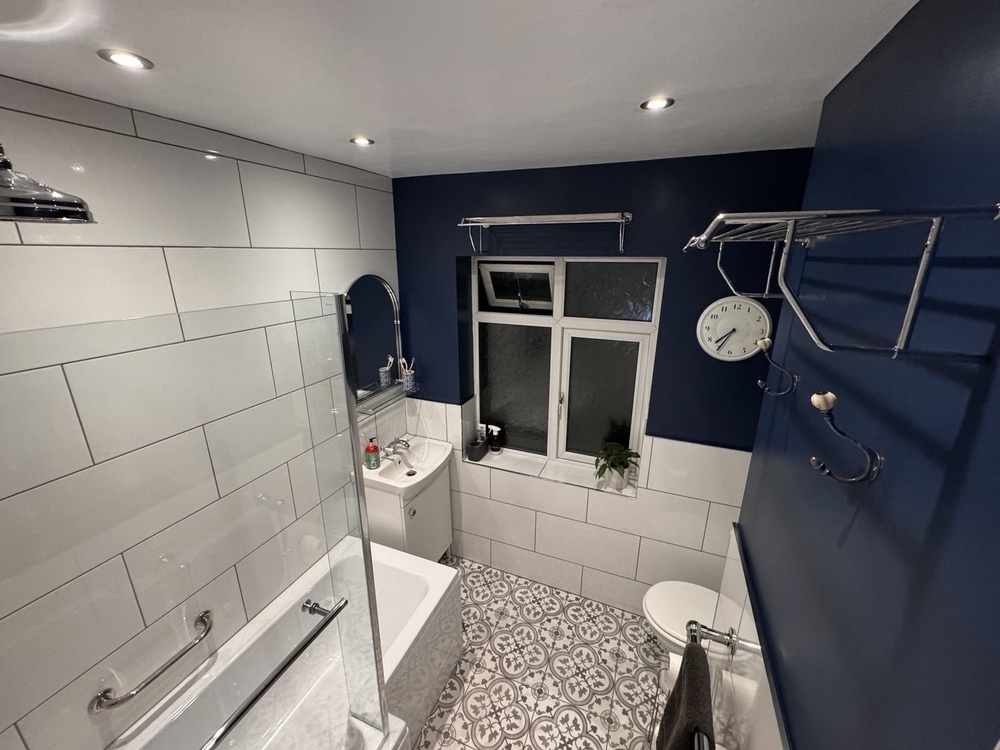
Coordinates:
(730, 328)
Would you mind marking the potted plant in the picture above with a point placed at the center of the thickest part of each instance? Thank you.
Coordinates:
(614, 462)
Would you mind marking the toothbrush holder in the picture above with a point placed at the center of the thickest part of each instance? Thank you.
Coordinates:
(384, 377)
(409, 380)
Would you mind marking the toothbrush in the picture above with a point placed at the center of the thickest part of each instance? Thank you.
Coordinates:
(413, 362)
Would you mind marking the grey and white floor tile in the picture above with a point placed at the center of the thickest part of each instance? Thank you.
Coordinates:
(545, 669)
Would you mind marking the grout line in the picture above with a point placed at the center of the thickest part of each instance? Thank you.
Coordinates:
(239, 586)
(704, 534)
(211, 463)
(20, 734)
(357, 216)
(243, 199)
(135, 594)
(79, 419)
(17, 228)
(270, 362)
(135, 128)
(319, 283)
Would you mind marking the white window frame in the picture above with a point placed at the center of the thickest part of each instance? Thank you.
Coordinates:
(486, 273)
(563, 329)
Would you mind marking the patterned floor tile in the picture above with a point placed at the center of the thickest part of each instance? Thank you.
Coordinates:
(545, 669)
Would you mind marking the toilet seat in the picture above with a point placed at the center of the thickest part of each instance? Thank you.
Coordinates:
(669, 606)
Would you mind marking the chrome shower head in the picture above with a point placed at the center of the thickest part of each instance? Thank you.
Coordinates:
(24, 199)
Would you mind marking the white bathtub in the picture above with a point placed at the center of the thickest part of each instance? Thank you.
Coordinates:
(421, 638)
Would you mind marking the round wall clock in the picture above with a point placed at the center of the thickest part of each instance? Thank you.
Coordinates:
(730, 328)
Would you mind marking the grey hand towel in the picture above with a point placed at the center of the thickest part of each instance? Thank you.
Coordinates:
(689, 707)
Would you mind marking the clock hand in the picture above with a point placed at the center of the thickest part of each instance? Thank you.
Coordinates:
(722, 342)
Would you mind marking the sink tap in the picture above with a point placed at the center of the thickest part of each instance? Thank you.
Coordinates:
(392, 452)
(397, 443)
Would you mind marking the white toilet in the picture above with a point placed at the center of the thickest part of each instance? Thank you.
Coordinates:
(668, 607)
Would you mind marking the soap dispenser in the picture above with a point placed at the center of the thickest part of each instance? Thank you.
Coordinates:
(372, 458)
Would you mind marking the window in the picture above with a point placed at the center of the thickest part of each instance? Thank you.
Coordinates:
(564, 351)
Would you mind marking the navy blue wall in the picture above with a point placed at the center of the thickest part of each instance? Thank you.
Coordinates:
(880, 602)
(694, 397)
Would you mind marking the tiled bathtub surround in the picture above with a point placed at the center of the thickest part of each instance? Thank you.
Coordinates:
(157, 435)
(603, 545)
(107, 560)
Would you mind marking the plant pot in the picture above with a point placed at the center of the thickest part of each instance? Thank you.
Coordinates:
(615, 481)
(475, 451)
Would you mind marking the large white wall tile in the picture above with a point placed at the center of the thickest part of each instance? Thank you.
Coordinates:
(53, 533)
(320, 351)
(141, 193)
(249, 443)
(8, 233)
(305, 486)
(322, 416)
(27, 350)
(11, 740)
(169, 567)
(659, 561)
(283, 347)
(469, 478)
(493, 520)
(535, 567)
(41, 437)
(207, 277)
(658, 515)
(701, 471)
(179, 133)
(391, 423)
(426, 418)
(539, 494)
(470, 547)
(376, 219)
(292, 210)
(334, 464)
(453, 417)
(338, 269)
(273, 566)
(592, 546)
(339, 516)
(42, 287)
(720, 525)
(130, 400)
(63, 723)
(623, 593)
(53, 640)
(331, 170)
(199, 324)
(39, 100)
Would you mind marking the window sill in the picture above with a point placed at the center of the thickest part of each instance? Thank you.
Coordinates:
(565, 472)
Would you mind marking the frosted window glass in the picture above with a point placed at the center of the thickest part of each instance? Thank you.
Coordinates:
(617, 291)
(601, 390)
(514, 382)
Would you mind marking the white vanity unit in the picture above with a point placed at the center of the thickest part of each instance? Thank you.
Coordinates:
(409, 499)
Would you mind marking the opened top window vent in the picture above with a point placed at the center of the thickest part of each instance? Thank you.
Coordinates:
(518, 286)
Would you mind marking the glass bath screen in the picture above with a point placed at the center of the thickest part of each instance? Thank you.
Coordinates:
(514, 382)
(602, 375)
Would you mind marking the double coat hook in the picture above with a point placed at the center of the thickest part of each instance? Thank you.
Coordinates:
(825, 401)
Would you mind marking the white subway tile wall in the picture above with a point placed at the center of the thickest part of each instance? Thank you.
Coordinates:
(146, 477)
(544, 521)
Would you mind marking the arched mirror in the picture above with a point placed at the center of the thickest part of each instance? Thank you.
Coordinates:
(373, 326)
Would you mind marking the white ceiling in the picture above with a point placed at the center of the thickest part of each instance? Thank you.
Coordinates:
(461, 85)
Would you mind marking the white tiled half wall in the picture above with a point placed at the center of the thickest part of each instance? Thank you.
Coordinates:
(563, 531)
(156, 455)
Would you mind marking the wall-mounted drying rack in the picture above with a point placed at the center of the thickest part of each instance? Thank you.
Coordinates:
(787, 229)
(485, 222)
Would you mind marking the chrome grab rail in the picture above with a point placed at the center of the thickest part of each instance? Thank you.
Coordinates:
(106, 698)
(222, 732)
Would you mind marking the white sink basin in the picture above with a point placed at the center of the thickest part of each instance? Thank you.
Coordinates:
(427, 456)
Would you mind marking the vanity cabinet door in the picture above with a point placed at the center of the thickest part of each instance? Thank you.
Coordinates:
(427, 520)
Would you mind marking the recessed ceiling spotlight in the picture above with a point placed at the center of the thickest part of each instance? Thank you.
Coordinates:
(657, 103)
(125, 59)
(362, 141)
(212, 155)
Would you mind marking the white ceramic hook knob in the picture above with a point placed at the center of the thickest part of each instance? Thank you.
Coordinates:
(823, 400)
(764, 344)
